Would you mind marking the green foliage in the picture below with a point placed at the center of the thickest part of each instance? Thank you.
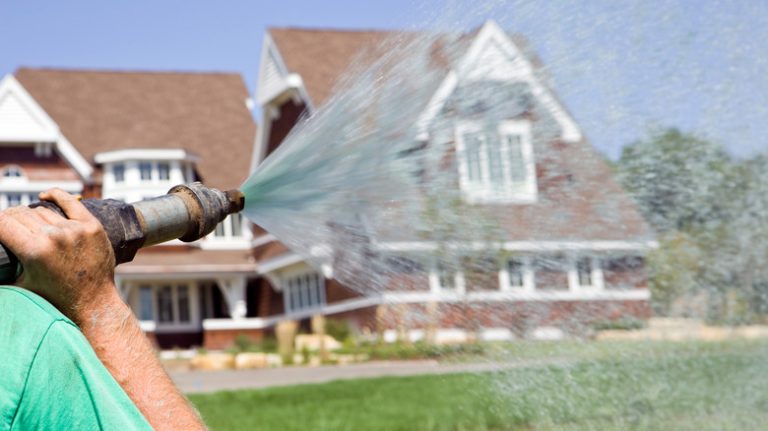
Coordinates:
(622, 324)
(339, 329)
(682, 386)
(244, 343)
(711, 215)
(679, 180)
(306, 355)
(422, 350)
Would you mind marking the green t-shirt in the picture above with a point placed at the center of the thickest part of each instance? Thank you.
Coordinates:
(50, 377)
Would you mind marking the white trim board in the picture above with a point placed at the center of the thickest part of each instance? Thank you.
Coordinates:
(16, 185)
(531, 246)
(144, 154)
(518, 296)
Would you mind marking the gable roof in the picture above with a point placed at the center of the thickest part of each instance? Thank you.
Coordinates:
(593, 208)
(202, 113)
(322, 56)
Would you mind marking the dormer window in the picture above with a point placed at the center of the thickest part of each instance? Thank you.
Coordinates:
(118, 171)
(496, 162)
(164, 171)
(231, 227)
(13, 171)
(145, 171)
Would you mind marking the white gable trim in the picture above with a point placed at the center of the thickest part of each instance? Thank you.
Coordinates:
(9, 84)
(267, 91)
(10, 87)
(488, 34)
(271, 95)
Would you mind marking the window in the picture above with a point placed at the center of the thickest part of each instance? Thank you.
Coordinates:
(584, 271)
(220, 231)
(164, 171)
(183, 301)
(13, 172)
(165, 304)
(145, 171)
(496, 163)
(118, 172)
(146, 311)
(14, 199)
(303, 292)
(446, 278)
(231, 227)
(237, 224)
(587, 273)
(515, 268)
(168, 304)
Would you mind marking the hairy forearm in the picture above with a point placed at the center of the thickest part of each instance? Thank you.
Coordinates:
(118, 341)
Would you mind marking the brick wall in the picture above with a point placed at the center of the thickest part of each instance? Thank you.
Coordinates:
(224, 338)
(517, 316)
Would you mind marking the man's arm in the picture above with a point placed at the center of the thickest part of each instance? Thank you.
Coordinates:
(70, 263)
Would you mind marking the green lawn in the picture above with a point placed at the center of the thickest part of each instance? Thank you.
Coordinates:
(607, 386)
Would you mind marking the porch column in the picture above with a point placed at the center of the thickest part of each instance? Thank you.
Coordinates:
(234, 293)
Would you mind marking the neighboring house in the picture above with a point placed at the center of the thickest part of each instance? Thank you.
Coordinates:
(129, 136)
(574, 240)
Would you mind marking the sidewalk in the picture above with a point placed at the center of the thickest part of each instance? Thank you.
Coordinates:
(213, 381)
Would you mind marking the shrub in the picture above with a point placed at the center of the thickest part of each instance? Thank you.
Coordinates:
(338, 329)
(243, 343)
(623, 324)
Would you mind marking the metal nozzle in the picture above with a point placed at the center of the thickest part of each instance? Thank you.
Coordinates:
(188, 212)
(236, 200)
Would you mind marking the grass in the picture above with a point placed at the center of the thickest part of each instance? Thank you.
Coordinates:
(605, 386)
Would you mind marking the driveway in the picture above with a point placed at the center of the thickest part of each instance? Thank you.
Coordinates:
(213, 381)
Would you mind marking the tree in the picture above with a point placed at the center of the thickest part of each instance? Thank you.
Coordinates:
(677, 179)
(688, 189)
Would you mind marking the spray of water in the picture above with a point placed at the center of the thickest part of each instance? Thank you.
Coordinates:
(376, 186)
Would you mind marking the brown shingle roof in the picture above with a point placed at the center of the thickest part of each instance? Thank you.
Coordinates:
(203, 113)
(322, 56)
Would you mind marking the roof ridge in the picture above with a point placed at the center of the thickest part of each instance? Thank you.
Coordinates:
(65, 69)
(336, 30)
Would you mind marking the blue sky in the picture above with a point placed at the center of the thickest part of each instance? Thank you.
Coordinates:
(622, 68)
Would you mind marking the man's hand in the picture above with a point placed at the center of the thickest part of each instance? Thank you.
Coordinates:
(68, 261)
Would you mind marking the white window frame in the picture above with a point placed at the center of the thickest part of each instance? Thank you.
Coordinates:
(15, 169)
(525, 192)
(194, 323)
(133, 188)
(26, 198)
(596, 274)
(289, 291)
(435, 285)
(228, 241)
(505, 279)
(113, 169)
